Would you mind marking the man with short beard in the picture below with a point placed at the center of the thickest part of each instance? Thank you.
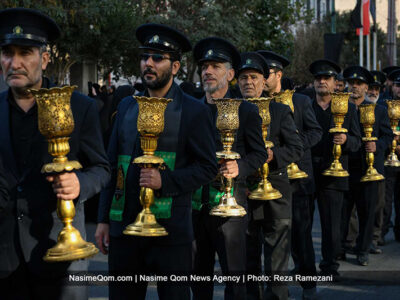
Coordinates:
(365, 195)
(270, 219)
(302, 189)
(330, 190)
(217, 59)
(375, 88)
(188, 149)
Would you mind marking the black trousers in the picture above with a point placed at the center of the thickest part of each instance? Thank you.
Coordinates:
(330, 204)
(392, 194)
(130, 255)
(364, 195)
(380, 205)
(275, 235)
(302, 245)
(227, 238)
(23, 284)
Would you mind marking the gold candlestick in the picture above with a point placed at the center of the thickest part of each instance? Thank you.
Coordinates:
(394, 116)
(367, 119)
(339, 108)
(56, 123)
(293, 169)
(227, 124)
(150, 124)
(264, 190)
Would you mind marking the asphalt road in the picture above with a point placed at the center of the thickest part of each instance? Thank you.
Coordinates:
(375, 285)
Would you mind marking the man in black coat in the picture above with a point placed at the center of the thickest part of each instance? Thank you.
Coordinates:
(392, 174)
(225, 236)
(365, 194)
(188, 148)
(270, 220)
(31, 212)
(330, 190)
(302, 189)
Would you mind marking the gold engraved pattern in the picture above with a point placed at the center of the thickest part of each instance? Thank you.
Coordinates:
(228, 114)
(285, 97)
(55, 114)
(151, 114)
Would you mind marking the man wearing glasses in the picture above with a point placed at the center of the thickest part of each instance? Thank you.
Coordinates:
(187, 140)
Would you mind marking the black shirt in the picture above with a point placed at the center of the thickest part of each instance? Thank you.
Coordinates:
(24, 130)
(324, 120)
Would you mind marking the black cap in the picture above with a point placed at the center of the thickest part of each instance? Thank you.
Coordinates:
(358, 72)
(274, 60)
(379, 78)
(339, 77)
(216, 49)
(395, 76)
(160, 37)
(253, 60)
(26, 27)
(390, 69)
(324, 67)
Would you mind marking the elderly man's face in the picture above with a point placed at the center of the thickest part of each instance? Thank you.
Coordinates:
(340, 86)
(357, 88)
(373, 93)
(215, 76)
(23, 66)
(251, 83)
(324, 84)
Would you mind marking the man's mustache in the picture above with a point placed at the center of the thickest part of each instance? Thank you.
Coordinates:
(12, 72)
(149, 71)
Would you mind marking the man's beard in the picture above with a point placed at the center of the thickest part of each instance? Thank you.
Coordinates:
(220, 85)
(322, 93)
(160, 81)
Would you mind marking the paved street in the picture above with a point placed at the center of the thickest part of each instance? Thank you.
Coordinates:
(375, 276)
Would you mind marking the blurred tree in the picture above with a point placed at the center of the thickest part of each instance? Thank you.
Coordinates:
(101, 31)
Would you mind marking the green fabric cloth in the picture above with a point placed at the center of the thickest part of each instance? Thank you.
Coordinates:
(214, 197)
(161, 207)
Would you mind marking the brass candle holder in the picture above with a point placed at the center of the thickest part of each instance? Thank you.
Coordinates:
(394, 116)
(293, 169)
(150, 124)
(339, 108)
(56, 123)
(264, 190)
(227, 124)
(367, 119)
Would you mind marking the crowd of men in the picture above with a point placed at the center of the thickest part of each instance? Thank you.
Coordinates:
(188, 188)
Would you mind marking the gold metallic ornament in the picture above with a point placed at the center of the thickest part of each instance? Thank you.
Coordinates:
(264, 190)
(150, 124)
(367, 119)
(286, 97)
(227, 124)
(339, 108)
(394, 116)
(56, 123)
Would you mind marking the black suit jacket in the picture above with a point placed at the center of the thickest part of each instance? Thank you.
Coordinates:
(195, 166)
(383, 132)
(352, 144)
(31, 215)
(310, 133)
(287, 148)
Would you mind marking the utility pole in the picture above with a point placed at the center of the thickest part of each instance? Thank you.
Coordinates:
(333, 17)
(391, 35)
